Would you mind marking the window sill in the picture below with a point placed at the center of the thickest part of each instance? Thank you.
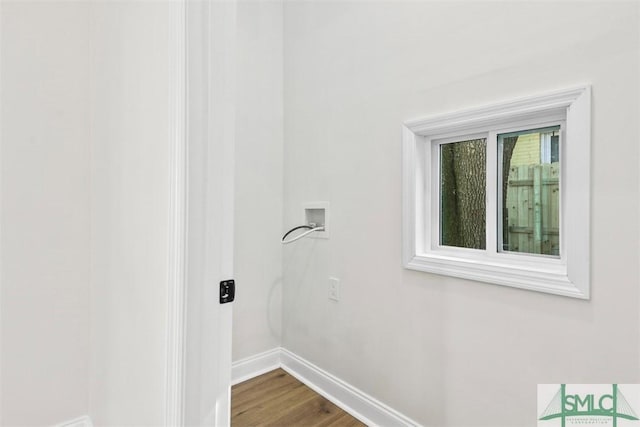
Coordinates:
(547, 278)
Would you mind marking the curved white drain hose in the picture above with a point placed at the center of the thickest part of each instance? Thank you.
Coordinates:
(309, 228)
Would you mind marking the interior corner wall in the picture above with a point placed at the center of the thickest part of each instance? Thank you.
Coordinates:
(132, 111)
(258, 179)
(44, 169)
(446, 351)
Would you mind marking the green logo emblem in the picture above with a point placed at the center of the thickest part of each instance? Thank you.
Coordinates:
(613, 406)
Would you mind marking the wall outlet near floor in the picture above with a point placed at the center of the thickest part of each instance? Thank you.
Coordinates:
(334, 288)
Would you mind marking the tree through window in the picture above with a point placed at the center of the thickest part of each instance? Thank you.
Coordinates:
(462, 194)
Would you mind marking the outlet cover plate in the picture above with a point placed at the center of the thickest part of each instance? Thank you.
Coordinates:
(334, 289)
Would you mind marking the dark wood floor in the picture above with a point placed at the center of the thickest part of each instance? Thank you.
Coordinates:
(278, 399)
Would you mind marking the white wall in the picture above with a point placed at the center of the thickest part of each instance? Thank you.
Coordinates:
(44, 169)
(444, 351)
(88, 93)
(259, 186)
(131, 130)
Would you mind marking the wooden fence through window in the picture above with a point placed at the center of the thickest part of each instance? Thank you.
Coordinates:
(533, 204)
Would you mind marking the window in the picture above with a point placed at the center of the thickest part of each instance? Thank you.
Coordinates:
(500, 194)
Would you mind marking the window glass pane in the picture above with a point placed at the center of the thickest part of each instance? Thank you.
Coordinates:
(463, 194)
(530, 196)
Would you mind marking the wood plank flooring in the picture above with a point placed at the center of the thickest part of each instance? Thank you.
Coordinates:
(278, 399)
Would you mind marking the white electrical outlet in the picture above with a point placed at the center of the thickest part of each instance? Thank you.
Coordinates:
(334, 288)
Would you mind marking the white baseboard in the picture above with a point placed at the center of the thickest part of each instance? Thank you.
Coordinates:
(354, 401)
(84, 421)
(255, 365)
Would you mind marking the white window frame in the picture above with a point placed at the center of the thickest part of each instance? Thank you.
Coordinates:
(567, 274)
